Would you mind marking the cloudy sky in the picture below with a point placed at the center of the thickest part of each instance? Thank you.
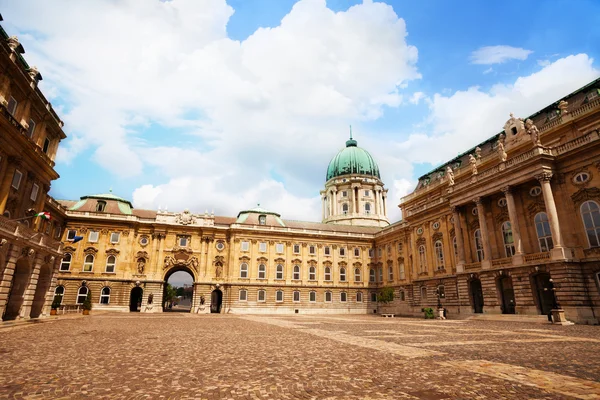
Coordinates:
(222, 104)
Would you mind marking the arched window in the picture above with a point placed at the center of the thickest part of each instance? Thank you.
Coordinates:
(327, 274)
(100, 207)
(359, 298)
(243, 270)
(279, 272)
(243, 295)
(367, 208)
(82, 294)
(357, 275)
(372, 275)
(544, 234)
(111, 262)
(423, 293)
(261, 296)
(65, 264)
(312, 296)
(105, 295)
(342, 274)
(262, 271)
(422, 259)
(478, 245)
(262, 219)
(279, 296)
(60, 291)
(345, 208)
(343, 297)
(380, 269)
(88, 263)
(328, 297)
(590, 213)
(390, 273)
(296, 296)
(402, 295)
(312, 274)
(509, 241)
(439, 254)
(402, 272)
(297, 272)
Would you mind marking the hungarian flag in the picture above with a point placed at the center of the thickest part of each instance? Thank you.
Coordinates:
(43, 215)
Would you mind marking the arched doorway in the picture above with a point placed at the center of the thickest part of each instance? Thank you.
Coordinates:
(476, 293)
(19, 285)
(216, 300)
(507, 294)
(178, 292)
(135, 299)
(41, 290)
(545, 298)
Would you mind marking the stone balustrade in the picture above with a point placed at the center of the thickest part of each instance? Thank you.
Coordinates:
(537, 257)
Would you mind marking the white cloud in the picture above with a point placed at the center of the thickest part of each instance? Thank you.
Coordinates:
(416, 97)
(487, 71)
(544, 63)
(498, 54)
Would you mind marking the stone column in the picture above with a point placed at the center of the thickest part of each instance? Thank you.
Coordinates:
(487, 249)
(558, 252)
(460, 262)
(384, 203)
(6, 279)
(30, 291)
(353, 210)
(376, 193)
(323, 207)
(334, 210)
(514, 224)
(6, 182)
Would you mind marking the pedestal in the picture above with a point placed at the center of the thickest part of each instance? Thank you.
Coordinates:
(558, 317)
(441, 313)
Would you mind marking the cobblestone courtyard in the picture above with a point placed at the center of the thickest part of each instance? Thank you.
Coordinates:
(324, 357)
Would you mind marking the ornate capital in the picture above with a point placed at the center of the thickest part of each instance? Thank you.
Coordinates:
(507, 190)
(544, 176)
(477, 200)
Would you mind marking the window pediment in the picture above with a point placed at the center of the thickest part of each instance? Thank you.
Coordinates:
(327, 263)
(357, 265)
(112, 252)
(342, 263)
(437, 236)
(91, 250)
(245, 259)
(280, 260)
(420, 241)
(585, 194)
(296, 261)
(69, 249)
(262, 259)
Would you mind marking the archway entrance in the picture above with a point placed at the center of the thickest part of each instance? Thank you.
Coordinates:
(17, 289)
(41, 290)
(507, 294)
(178, 290)
(545, 298)
(135, 299)
(476, 295)
(216, 300)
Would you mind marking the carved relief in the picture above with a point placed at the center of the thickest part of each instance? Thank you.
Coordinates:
(536, 207)
(473, 163)
(262, 259)
(563, 107)
(112, 252)
(585, 194)
(421, 241)
(185, 218)
(437, 236)
(500, 149)
(90, 250)
(141, 265)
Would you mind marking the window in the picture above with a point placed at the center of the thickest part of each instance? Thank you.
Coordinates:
(343, 297)
(371, 275)
(60, 291)
(535, 191)
(105, 295)
(311, 249)
(220, 246)
(374, 297)
(544, 234)
(342, 251)
(455, 247)
(88, 263)
(327, 276)
(402, 273)
(402, 295)
(12, 106)
(342, 274)
(344, 193)
(328, 297)
(390, 273)
(262, 271)
(380, 269)
(371, 253)
(296, 272)
(262, 247)
(423, 292)
(357, 275)
(436, 225)
(312, 297)
(367, 208)
(244, 270)
(590, 213)
(422, 259)
(279, 248)
(478, 245)
(509, 241)
(82, 294)
(115, 236)
(111, 262)
(279, 272)
(261, 295)
(345, 208)
(243, 296)
(46, 145)
(245, 246)
(359, 297)
(93, 237)
(34, 192)
(366, 193)
(31, 128)
(71, 233)
(296, 249)
(262, 219)
(475, 211)
(439, 254)
(296, 296)
(502, 202)
(183, 240)
(100, 206)
(16, 182)
(356, 252)
(65, 264)
(327, 250)
(312, 274)
(441, 292)
(279, 296)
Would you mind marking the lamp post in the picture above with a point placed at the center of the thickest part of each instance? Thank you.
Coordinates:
(440, 295)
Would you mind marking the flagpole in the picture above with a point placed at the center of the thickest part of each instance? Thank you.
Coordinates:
(21, 219)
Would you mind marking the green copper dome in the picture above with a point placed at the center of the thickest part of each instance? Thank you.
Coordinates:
(352, 160)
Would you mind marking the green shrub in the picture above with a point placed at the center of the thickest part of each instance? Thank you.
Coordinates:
(428, 312)
(87, 303)
(385, 295)
(56, 302)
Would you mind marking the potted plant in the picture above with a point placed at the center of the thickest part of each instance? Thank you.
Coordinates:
(87, 304)
(55, 304)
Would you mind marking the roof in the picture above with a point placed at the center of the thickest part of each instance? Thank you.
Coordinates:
(352, 160)
(107, 196)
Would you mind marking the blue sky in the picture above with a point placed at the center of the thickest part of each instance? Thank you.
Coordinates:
(219, 105)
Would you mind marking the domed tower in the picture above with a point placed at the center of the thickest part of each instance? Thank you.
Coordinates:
(354, 193)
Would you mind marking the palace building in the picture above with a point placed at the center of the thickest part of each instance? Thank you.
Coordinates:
(501, 229)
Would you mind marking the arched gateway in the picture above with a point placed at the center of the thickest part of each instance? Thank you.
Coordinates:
(167, 303)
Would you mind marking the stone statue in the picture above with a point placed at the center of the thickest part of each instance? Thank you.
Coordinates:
(193, 262)
(562, 106)
(150, 298)
(169, 261)
(478, 152)
(450, 175)
(185, 218)
(141, 264)
(13, 42)
(202, 300)
(473, 162)
(218, 271)
(33, 73)
(533, 132)
(501, 152)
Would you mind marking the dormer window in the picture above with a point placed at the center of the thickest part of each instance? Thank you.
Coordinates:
(262, 219)
(100, 206)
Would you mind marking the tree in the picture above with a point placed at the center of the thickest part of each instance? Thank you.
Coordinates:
(170, 293)
(87, 303)
(180, 292)
(385, 295)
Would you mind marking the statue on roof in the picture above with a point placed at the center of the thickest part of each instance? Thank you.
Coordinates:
(450, 175)
(473, 162)
(533, 132)
(185, 218)
(478, 152)
(500, 149)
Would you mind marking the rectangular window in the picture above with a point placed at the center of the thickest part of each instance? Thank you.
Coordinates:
(344, 193)
(114, 237)
(279, 296)
(296, 296)
(16, 182)
(262, 247)
(311, 249)
(71, 233)
(312, 297)
(243, 295)
(46, 146)
(366, 193)
(12, 106)
(327, 251)
(328, 297)
(183, 241)
(374, 297)
(93, 237)
(342, 251)
(31, 128)
(296, 249)
(356, 252)
(34, 192)
(245, 246)
(279, 248)
(371, 253)
(261, 295)
(380, 274)
(343, 297)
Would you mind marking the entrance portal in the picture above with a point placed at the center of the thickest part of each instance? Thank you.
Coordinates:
(178, 290)
(507, 294)
(41, 290)
(476, 295)
(135, 300)
(545, 297)
(17, 289)
(216, 299)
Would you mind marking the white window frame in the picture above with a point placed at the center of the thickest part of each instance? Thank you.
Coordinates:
(359, 297)
(296, 249)
(478, 245)
(31, 128)
(402, 271)
(357, 275)
(245, 246)
(296, 296)
(35, 189)
(12, 105)
(342, 274)
(312, 273)
(70, 237)
(345, 208)
(88, 266)
(296, 273)
(342, 252)
(356, 252)
(262, 220)
(367, 208)
(328, 296)
(80, 294)
(105, 296)
(243, 295)
(438, 247)
(112, 236)
(182, 241)
(66, 262)
(327, 250)
(262, 270)
(46, 145)
(543, 232)
(61, 295)
(371, 253)
(508, 239)
(264, 295)
(380, 269)
(244, 270)
(262, 247)
(16, 185)
(591, 229)
(312, 249)
(109, 264)
(327, 274)
(390, 273)
(93, 236)
(279, 248)
(279, 296)
(422, 258)
(372, 275)
(279, 272)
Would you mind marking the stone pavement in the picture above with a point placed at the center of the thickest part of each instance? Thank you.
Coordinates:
(174, 355)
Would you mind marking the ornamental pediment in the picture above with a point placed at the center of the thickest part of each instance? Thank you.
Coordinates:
(296, 261)
(262, 259)
(279, 260)
(112, 251)
(327, 263)
(245, 259)
(90, 250)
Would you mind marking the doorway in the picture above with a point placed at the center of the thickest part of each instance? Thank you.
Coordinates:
(20, 282)
(476, 295)
(178, 291)
(545, 298)
(135, 299)
(41, 291)
(216, 300)
(507, 294)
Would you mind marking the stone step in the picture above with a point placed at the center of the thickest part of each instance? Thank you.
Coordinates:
(537, 319)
